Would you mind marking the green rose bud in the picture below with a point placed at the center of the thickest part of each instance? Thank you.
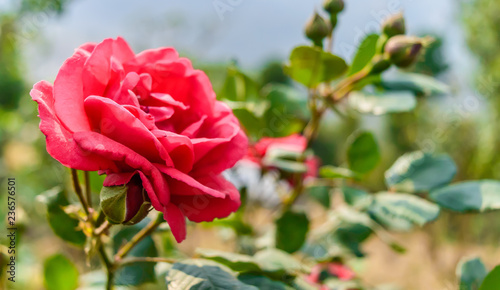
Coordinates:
(317, 29)
(403, 51)
(333, 7)
(125, 204)
(394, 25)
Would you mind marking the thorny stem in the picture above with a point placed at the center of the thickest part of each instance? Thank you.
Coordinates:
(146, 231)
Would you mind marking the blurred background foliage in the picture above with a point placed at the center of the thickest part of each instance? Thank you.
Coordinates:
(469, 136)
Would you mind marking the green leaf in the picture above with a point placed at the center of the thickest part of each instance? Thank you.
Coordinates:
(471, 273)
(417, 83)
(363, 153)
(351, 235)
(492, 280)
(278, 264)
(291, 231)
(287, 99)
(419, 172)
(287, 112)
(201, 275)
(238, 86)
(398, 211)
(64, 226)
(236, 262)
(382, 103)
(321, 194)
(311, 66)
(365, 53)
(60, 273)
(137, 273)
(329, 171)
(250, 114)
(300, 283)
(482, 195)
(356, 197)
(262, 282)
(239, 226)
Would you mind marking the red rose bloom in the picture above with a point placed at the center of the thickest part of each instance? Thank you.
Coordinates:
(293, 143)
(150, 116)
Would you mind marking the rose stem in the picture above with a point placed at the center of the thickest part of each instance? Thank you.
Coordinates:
(310, 132)
(88, 190)
(311, 129)
(101, 217)
(103, 228)
(78, 191)
(149, 229)
(132, 260)
(110, 267)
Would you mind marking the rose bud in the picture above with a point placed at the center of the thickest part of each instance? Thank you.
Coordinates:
(317, 29)
(126, 204)
(404, 51)
(394, 25)
(333, 6)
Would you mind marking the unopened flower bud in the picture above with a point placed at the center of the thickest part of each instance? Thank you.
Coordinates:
(404, 51)
(126, 204)
(317, 29)
(333, 7)
(394, 25)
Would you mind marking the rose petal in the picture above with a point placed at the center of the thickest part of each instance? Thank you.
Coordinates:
(192, 130)
(68, 93)
(183, 184)
(179, 148)
(176, 220)
(203, 207)
(224, 138)
(127, 160)
(293, 142)
(120, 91)
(60, 143)
(161, 100)
(151, 56)
(117, 123)
(122, 51)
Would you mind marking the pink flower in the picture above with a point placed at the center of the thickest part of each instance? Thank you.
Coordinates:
(151, 116)
(318, 272)
(294, 143)
(341, 271)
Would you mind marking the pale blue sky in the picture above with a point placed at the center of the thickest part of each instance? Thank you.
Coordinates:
(253, 31)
